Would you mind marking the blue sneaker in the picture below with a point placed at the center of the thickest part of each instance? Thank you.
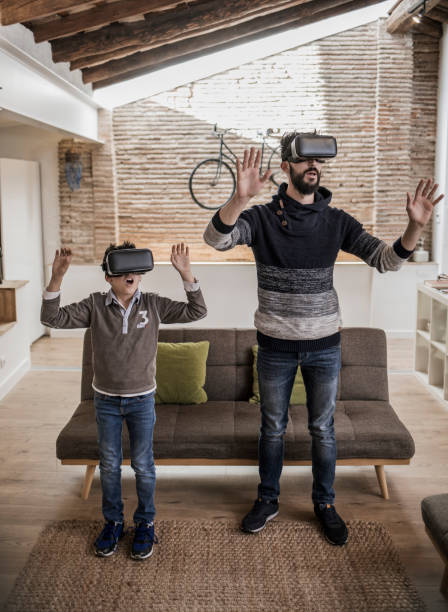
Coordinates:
(144, 539)
(107, 542)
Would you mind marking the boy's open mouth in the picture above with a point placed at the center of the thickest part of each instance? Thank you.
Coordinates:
(129, 281)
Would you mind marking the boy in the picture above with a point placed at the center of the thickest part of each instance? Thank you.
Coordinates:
(124, 323)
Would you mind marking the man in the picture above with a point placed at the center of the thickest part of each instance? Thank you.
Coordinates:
(295, 240)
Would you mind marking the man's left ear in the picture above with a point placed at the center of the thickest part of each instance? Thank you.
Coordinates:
(107, 277)
(285, 167)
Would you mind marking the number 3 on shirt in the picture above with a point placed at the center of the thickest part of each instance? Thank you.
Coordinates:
(145, 320)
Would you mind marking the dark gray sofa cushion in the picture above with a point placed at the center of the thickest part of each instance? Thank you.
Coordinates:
(435, 516)
(229, 430)
(227, 426)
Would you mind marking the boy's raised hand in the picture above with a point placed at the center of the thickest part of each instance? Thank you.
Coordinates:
(61, 263)
(180, 258)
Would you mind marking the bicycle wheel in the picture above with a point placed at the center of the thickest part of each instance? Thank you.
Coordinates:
(212, 184)
(278, 176)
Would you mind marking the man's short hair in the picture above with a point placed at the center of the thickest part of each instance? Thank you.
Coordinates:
(114, 247)
(286, 140)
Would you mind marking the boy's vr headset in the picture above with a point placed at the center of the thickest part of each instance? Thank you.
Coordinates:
(312, 146)
(125, 261)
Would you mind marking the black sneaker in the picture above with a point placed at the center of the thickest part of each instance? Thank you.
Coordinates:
(335, 530)
(144, 539)
(107, 542)
(261, 513)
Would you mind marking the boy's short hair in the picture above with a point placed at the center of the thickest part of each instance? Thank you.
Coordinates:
(286, 140)
(114, 247)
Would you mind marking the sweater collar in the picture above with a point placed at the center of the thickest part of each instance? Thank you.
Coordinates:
(322, 199)
(111, 297)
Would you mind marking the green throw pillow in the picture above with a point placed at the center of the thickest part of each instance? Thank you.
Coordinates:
(298, 395)
(180, 374)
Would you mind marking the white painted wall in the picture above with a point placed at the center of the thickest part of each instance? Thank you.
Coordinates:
(15, 347)
(36, 93)
(21, 235)
(367, 298)
(21, 238)
(394, 297)
(440, 219)
(40, 146)
(23, 38)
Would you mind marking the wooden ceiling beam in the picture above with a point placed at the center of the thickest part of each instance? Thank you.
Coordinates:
(18, 11)
(164, 53)
(428, 26)
(401, 20)
(439, 14)
(97, 16)
(144, 63)
(168, 27)
(101, 58)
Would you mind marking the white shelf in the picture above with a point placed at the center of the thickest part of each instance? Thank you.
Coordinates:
(424, 334)
(431, 346)
(440, 346)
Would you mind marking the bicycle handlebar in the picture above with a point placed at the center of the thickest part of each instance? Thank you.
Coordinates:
(265, 134)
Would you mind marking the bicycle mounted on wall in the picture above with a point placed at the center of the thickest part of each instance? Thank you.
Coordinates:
(212, 182)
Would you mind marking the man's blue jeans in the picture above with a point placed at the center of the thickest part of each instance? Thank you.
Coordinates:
(276, 373)
(140, 419)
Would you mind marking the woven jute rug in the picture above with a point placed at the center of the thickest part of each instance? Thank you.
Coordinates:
(209, 565)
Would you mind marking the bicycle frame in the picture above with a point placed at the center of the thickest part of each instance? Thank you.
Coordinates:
(221, 164)
(233, 158)
(221, 152)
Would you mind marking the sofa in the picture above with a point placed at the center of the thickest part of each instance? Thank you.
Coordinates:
(224, 430)
(435, 516)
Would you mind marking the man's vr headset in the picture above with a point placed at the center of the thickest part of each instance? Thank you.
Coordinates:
(312, 146)
(126, 261)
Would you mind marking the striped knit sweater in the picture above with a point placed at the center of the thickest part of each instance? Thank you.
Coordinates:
(298, 307)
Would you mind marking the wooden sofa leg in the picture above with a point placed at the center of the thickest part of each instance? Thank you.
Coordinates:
(90, 472)
(444, 585)
(380, 474)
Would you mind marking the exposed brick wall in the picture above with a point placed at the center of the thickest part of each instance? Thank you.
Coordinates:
(424, 114)
(392, 132)
(77, 207)
(104, 187)
(375, 92)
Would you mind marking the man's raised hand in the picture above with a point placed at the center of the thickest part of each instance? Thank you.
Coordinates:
(249, 183)
(420, 207)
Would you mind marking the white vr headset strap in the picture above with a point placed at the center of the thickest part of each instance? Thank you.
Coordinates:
(293, 149)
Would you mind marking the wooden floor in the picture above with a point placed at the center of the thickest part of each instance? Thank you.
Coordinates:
(37, 489)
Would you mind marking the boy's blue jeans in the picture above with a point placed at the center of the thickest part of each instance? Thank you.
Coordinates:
(276, 373)
(140, 419)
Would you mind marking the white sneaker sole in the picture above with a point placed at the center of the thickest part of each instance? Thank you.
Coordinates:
(268, 518)
(141, 557)
(109, 554)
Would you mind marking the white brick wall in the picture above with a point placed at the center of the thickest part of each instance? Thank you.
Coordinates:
(375, 92)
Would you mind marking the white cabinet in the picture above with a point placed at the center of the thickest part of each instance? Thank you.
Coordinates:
(431, 342)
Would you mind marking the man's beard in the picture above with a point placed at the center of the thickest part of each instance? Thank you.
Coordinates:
(300, 184)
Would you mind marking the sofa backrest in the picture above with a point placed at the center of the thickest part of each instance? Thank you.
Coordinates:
(229, 364)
